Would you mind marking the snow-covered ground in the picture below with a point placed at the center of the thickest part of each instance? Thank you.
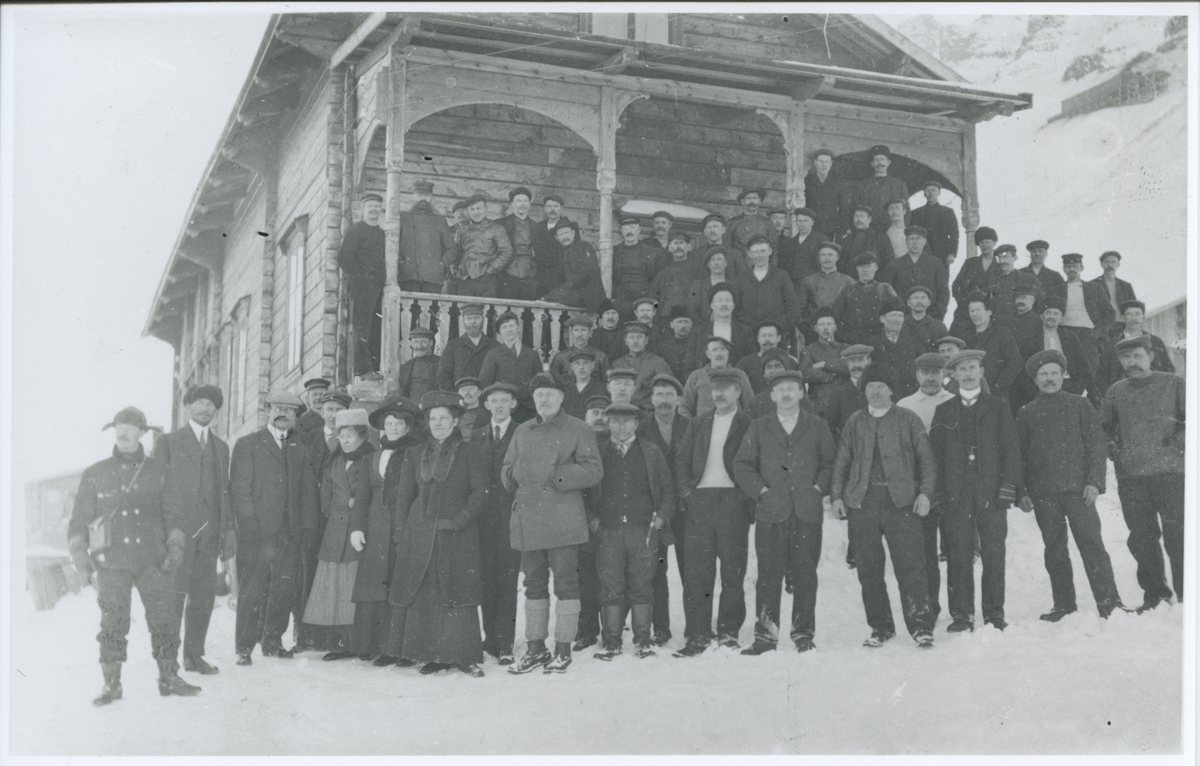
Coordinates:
(1085, 686)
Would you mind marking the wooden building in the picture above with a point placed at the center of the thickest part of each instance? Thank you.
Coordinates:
(599, 108)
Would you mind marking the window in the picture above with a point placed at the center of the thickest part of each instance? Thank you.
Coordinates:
(611, 24)
(236, 368)
(651, 27)
(294, 251)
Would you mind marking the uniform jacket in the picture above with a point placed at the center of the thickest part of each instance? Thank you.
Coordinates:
(928, 271)
(1003, 362)
(692, 453)
(796, 469)
(378, 557)
(485, 248)
(908, 460)
(522, 266)
(855, 242)
(1062, 445)
(448, 484)
(858, 306)
(662, 484)
(1145, 421)
(360, 254)
(427, 247)
(345, 502)
(1096, 301)
(274, 490)
(180, 451)
(462, 359)
(548, 466)
(138, 519)
(502, 363)
(774, 297)
(942, 225)
(998, 453)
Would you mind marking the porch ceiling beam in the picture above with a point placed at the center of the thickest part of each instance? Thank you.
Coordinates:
(322, 49)
(357, 38)
(616, 63)
(209, 259)
(808, 89)
(401, 35)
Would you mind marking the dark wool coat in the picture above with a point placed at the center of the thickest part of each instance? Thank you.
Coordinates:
(180, 451)
(928, 331)
(857, 310)
(1095, 300)
(855, 242)
(824, 198)
(634, 268)
(580, 285)
(427, 495)
(521, 266)
(501, 363)
(427, 247)
(547, 254)
(742, 337)
(972, 276)
(345, 502)
(662, 484)
(842, 398)
(942, 225)
(461, 358)
(908, 460)
(138, 523)
(795, 468)
(274, 490)
(1062, 445)
(698, 303)
(378, 557)
(361, 255)
(928, 271)
(1145, 421)
(692, 453)
(899, 359)
(1080, 377)
(414, 387)
(997, 457)
(799, 259)
(773, 297)
(611, 342)
(1003, 362)
(1049, 278)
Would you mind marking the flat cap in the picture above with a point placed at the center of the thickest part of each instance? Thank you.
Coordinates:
(870, 211)
(466, 380)
(663, 379)
(1054, 302)
(423, 187)
(728, 346)
(316, 383)
(283, 398)
(758, 240)
(726, 376)
(132, 416)
(1026, 288)
(858, 349)
(1107, 253)
(502, 386)
(566, 223)
(1006, 249)
(835, 247)
(866, 257)
(645, 299)
(715, 251)
(966, 355)
(952, 339)
(918, 289)
(629, 327)
(629, 220)
(662, 214)
(1072, 258)
(1038, 243)
(618, 373)
(519, 190)
(780, 377)
(930, 361)
(399, 406)
(581, 320)
(544, 380)
(449, 399)
(597, 402)
(354, 417)
(553, 198)
(421, 332)
(471, 201)
(470, 308)
(587, 352)
(760, 192)
(806, 212)
(211, 393)
(507, 316)
(1135, 304)
(458, 206)
(911, 230)
(931, 182)
(340, 397)
(679, 312)
(679, 234)
(879, 149)
(1035, 362)
(616, 409)
(723, 287)
(781, 356)
(985, 232)
(712, 217)
(371, 197)
(1127, 344)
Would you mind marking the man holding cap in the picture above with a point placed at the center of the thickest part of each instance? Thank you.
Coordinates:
(274, 491)
(519, 281)
(634, 265)
(419, 374)
(674, 280)
(919, 267)
(784, 466)
(427, 247)
(1007, 283)
(486, 251)
(1145, 417)
(940, 222)
(361, 256)
(751, 222)
(463, 356)
(197, 493)
(823, 192)
(579, 336)
(550, 462)
(1050, 279)
(124, 531)
(1063, 446)
(858, 307)
(979, 478)
(976, 274)
(314, 392)
(547, 252)
(861, 238)
(646, 364)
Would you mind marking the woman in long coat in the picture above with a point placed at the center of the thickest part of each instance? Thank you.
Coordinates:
(400, 421)
(435, 591)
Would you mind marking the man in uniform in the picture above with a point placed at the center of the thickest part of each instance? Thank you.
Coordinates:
(1119, 291)
(197, 493)
(858, 306)
(634, 265)
(310, 419)
(919, 267)
(940, 222)
(519, 280)
(579, 336)
(1145, 417)
(1050, 279)
(121, 499)
(361, 256)
(1007, 283)
(419, 374)
(427, 247)
(1062, 444)
(463, 356)
(751, 222)
(486, 251)
(823, 194)
(880, 189)
(274, 491)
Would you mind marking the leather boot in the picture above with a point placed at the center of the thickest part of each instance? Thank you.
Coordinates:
(170, 683)
(610, 621)
(642, 616)
(562, 657)
(112, 684)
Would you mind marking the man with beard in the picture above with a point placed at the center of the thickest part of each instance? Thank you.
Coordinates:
(361, 256)
(1145, 418)
(274, 491)
(1062, 443)
(940, 222)
(463, 356)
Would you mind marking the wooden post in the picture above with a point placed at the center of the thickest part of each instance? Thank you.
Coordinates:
(612, 104)
(791, 125)
(393, 329)
(970, 194)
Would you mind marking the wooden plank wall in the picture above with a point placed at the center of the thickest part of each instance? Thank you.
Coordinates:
(766, 35)
(244, 277)
(550, 22)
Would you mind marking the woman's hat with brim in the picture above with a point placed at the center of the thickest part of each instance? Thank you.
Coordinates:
(398, 406)
(431, 400)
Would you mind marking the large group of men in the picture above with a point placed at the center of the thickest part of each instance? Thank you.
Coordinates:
(767, 376)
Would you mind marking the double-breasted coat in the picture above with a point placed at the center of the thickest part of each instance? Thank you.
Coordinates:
(181, 452)
(997, 452)
(345, 502)
(274, 489)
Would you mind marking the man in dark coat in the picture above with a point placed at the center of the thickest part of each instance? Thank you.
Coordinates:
(940, 222)
(1050, 279)
(896, 350)
(718, 519)
(1004, 358)
(1079, 380)
(1062, 444)
(512, 362)
(1133, 313)
(979, 478)
(674, 280)
(861, 238)
(918, 323)
(500, 564)
(823, 191)
(419, 374)
(880, 189)
(122, 530)
(767, 293)
(784, 466)
(463, 356)
(485, 251)
(311, 419)
(845, 395)
(858, 306)
(635, 264)
(197, 492)
(581, 285)
(361, 256)
(821, 360)
(919, 267)
(977, 274)
(427, 247)
(1007, 283)
(646, 364)
(1026, 321)
(579, 336)
(582, 384)
(769, 334)
(274, 491)
(751, 222)
(713, 228)
(519, 280)
(1119, 291)
(547, 252)
(798, 255)
(674, 347)
(1145, 417)
(1087, 311)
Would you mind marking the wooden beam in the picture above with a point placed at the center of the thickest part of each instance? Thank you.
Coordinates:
(810, 88)
(322, 49)
(357, 38)
(400, 36)
(209, 259)
(984, 112)
(893, 62)
(616, 63)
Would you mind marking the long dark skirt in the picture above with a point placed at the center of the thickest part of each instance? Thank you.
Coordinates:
(372, 621)
(428, 631)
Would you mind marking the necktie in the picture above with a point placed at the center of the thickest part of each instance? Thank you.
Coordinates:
(203, 439)
(497, 433)
(621, 448)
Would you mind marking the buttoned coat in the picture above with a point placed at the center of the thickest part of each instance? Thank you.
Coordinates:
(929, 271)
(997, 457)
(796, 469)
(274, 490)
(378, 559)
(138, 523)
(517, 368)
(662, 483)
(908, 462)
(462, 358)
(345, 503)
(181, 452)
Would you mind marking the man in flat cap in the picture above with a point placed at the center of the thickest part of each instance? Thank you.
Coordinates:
(1079, 379)
(821, 361)
(550, 462)
(846, 395)
(823, 193)
(861, 238)
(628, 510)
(361, 256)
(274, 491)
(894, 349)
(634, 265)
(858, 306)
(419, 374)
(1119, 291)
(880, 189)
(581, 383)
(124, 531)
(463, 356)
(470, 391)
(820, 289)
(779, 226)
(580, 269)
(311, 420)
(979, 478)
(645, 311)
(919, 267)
(662, 221)
(486, 251)
(1006, 284)
(547, 252)
(197, 492)
(512, 362)
(608, 335)
(918, 322)
(1087, 311)
(717, 516)
(1132, 315)
(798, 255)
(1004, 357)
(519, 281)
(767, 293)
(775, 361)
(579, 335)
(674, 279)
(715, 236)
(883, 478)
(784, 466)
(977, 273)
(751, 222)
(940, 222)
(1050, 279)
(1063, 447)
(697, 391)
(427, 246)
(646, 364)
(1145, 418)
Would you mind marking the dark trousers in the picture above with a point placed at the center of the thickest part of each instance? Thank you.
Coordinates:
(195, 583)
(876, 520)
(500, 567)
(662, 591)
(537, 566)
(267, 573)
(960, 526)
(625, 564)
(114, 588)
(780, 544)
(718, 527)
(367, 301)
(1145, 500)
(1053, 513)
(480, 287)
(589, 590)
(1089, 341)
(513, 288)
(933, 570)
